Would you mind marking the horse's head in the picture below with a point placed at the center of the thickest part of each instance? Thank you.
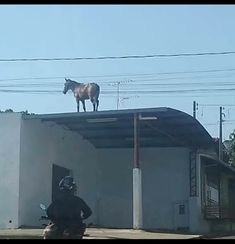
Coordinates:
(66, 85)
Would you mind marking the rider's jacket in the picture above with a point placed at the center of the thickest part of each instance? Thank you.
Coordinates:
(68, 210)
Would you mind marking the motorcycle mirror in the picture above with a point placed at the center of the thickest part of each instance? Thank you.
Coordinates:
(42, 206)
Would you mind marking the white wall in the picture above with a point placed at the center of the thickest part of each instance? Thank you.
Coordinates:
(9, 173)
(115, 188)
(44, 144)
(165, 180)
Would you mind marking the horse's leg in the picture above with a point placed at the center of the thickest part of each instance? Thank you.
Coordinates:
(83, 104)
(77, 105)
(97, 104)
(93, 102)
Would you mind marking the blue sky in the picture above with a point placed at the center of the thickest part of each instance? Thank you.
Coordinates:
(50, 31)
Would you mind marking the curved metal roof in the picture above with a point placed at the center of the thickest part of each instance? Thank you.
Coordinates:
(158, 127)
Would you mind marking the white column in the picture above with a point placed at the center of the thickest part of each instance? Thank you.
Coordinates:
(137, 199)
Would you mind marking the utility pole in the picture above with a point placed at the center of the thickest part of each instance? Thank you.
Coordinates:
(221, 114)
(194, 109)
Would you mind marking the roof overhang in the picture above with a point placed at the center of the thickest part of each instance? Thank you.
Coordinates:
(217, 163)
(158, 127)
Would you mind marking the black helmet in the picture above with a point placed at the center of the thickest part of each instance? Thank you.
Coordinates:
(68, 184)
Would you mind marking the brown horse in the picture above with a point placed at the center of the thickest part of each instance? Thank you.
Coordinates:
(83, 92)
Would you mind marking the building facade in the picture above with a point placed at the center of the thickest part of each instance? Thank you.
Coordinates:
(182, 187)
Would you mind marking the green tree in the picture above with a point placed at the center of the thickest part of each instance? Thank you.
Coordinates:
(9, 110)
(231, 148)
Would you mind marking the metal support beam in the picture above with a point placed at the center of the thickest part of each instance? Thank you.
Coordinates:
(136, 141)
(137, 180)
(137, 199)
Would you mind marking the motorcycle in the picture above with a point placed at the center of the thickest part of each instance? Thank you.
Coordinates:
(51, 231)
(44, 217)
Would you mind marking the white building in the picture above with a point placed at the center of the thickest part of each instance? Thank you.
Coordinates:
(183, 184)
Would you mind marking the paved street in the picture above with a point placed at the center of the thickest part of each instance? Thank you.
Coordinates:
(97, 233)
(226, 237)
(103, 233)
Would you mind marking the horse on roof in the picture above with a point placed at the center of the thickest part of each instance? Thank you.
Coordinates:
(83, 92)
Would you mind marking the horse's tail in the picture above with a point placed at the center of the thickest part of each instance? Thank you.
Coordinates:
(94, 95)
(97, 89)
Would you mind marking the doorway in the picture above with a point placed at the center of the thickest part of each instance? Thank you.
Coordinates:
(58, 173)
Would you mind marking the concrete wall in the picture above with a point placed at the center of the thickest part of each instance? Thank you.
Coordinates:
(114, 208)
(44, 144)
(9, 173)
(165, 182)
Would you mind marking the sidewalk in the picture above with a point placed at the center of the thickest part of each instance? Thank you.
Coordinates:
(97, 233)
(134, 234)
(217, 235)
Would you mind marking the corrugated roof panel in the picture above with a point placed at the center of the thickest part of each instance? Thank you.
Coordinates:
(159, 127)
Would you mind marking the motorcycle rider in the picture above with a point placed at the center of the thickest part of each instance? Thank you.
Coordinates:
(67, 212)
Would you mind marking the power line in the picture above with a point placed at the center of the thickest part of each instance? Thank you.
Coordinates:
(119, 75)
(117, 57)
(177, 72)
(139, 85)
(141, 92)
(138, 82)
(216, 105)
(180, 78)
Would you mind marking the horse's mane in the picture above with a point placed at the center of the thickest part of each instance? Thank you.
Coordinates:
(75, 82)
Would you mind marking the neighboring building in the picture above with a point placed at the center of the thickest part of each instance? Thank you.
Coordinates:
(184, 185)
